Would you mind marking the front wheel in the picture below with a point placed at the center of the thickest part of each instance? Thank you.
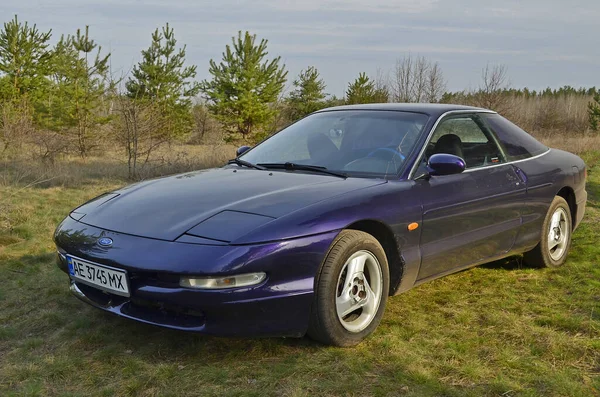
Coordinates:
(556, 237)
(351, 290)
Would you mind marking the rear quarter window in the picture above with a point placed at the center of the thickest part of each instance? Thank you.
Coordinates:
(518, 144)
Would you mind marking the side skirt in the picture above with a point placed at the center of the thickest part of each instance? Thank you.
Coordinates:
(459, 269)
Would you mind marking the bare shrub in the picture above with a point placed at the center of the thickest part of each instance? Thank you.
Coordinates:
(15, 125)
(494, 79)
(139, 132)
(48, 145)
(207, 129)
(436, 84)
(417, 80)
(491, 93)
(402, 80)
(187, 158)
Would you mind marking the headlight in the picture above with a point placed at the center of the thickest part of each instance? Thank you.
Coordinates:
(242, 280)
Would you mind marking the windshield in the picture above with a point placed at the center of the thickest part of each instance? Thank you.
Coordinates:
(355, 142)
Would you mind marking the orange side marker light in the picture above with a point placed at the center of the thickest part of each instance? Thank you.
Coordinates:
(413, 226)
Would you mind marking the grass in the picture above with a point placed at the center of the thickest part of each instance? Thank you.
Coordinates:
(497, 330)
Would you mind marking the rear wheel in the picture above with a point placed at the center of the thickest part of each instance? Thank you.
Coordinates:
(351, 290)
(556, 237)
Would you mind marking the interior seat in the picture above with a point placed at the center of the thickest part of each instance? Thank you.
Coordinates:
(449, 144)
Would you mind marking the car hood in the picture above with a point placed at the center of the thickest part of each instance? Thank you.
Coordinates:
(220, 204)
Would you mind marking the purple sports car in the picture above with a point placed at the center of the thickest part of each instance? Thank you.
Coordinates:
(310, 231)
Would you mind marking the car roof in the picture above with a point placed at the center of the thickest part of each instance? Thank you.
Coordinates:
(431, 109)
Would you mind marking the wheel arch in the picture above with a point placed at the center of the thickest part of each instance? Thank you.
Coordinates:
(569, 195)
(386, 238)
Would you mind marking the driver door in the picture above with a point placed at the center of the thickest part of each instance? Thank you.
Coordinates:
(472, 216)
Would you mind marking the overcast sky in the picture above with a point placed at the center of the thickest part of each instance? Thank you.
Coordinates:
(542, 42)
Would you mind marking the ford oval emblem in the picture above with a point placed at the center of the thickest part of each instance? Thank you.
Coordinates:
(105, 242)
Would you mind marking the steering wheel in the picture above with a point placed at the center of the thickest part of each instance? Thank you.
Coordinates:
(389, 150)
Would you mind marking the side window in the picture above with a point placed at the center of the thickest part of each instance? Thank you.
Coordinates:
(466, 136)
(517, 143)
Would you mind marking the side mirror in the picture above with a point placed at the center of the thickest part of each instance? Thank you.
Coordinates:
(445, 164)
(241, 150)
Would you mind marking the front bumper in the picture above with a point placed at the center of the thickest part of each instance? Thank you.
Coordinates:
(280, 306)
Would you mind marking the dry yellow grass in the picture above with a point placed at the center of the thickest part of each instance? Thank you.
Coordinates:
(573, 144)
(558, 114)
(111, 165)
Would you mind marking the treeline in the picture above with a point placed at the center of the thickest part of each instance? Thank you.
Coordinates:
(63, 98)
(566, 110)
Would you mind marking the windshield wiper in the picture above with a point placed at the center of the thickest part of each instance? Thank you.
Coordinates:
(246, 164)
(303, 167)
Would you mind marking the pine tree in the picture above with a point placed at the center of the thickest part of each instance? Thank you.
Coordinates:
(55, 110)
(364, 90)
(594, 112)
(244, 86)
(162, 78)
(25, 59)
(93, 85)
(308, 94)
(78, 100)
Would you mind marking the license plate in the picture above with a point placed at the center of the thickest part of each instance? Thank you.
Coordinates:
(99, 276)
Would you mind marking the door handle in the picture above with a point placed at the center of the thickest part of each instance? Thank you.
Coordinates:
(521, 174)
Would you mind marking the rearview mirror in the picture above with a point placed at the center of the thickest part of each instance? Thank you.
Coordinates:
(241, 150)
(445, 164)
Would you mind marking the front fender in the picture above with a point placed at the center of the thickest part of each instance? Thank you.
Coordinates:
(392, 204)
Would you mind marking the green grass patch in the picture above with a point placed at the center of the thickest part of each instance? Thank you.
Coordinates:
(496, 330)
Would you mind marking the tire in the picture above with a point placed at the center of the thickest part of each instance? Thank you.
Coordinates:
(557, 229)
(349, 302)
